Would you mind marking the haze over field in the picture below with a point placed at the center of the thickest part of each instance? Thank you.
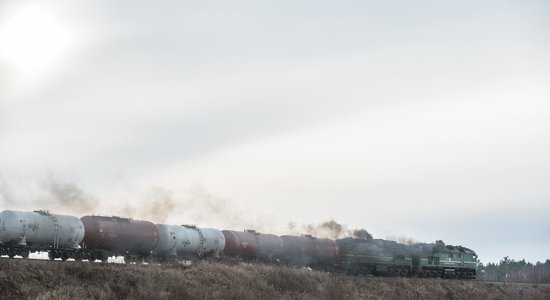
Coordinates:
(427, 120)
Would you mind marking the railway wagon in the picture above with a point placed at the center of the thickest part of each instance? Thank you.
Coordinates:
(188, 242)
(109, 235)
(310, 251)
(250, 244)
(22, 232)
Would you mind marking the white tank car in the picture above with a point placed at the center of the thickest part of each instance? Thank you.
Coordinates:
(166, 246)
(214, 241)
(189, 241)
(40, 229)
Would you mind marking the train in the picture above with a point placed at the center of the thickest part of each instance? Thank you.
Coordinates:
(97, 237)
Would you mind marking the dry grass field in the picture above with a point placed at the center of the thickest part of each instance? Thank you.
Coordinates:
(36, 279)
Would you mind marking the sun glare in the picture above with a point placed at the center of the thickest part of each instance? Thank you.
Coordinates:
(32, 39)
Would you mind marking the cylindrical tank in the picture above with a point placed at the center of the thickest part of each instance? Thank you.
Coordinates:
(308, 250)
(327, 250)
(120, 235)
(243, 244)
(189, 241)
(271, 247)
(40, 229)
(251, 244)
(166, 246)
(213, 241)
(298, 250)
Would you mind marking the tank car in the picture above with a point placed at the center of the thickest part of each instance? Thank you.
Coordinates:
(308, 251)
(250, 244)
(187, 241)
(22, 232)
(133, 239)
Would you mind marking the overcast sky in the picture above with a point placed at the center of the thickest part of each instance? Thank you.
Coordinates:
(423, 119)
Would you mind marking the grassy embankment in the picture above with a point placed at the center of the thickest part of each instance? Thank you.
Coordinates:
(210, 280)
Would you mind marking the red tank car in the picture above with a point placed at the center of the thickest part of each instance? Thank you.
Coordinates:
(271, 247)
(242, 244)
(307, 250)
(252, 245)
(298, 250)
(120, 236)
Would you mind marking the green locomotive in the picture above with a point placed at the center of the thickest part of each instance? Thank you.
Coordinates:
(389, 258)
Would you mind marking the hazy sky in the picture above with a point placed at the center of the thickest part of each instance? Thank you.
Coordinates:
(424, 119)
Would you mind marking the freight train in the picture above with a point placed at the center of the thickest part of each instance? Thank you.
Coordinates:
(95, 237)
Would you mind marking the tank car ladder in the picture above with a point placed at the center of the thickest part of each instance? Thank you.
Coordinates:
(201, 235)
(56, 228)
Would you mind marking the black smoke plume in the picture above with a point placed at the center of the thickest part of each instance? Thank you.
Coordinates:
(328, 229)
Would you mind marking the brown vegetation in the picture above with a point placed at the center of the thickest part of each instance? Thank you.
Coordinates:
(211, 280)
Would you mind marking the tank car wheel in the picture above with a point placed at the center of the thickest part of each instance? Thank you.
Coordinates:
(51, 256)
(64, 256)
(25, 254)
(11, 254)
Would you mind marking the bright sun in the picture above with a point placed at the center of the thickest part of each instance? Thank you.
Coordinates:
(32, 39)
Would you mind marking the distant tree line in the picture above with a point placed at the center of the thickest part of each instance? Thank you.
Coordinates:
(516, 271)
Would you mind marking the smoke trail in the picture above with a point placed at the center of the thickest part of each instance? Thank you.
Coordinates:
(65, 196)
(160, 205)
(403, 239)
(328, 229)
(205, 208)
(362, 234)
(156, 206)
(194, 206)
(6, 195)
